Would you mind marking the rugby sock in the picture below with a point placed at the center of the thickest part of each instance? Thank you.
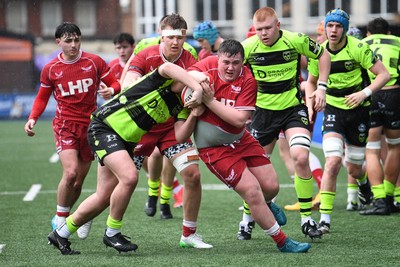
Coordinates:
(362, 180)
(397, 194)
(176, 186)
(304, 191)
(325, 217)
(166, 193)
(352, 191)
(113, 226)
(246, 217)
(154, 186)
(72, 227)
(188, 228)
(61, 214)
(388, 187)
(378, 191)
(327, 199)
(277, 234)
(316, 169)
(66, 230)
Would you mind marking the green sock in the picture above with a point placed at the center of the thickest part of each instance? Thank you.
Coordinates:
(378, 191)
(154, 186)
(246, 209)
(304, 191)
(72, 227)
(114, 224)
(166, 193)
(327, 199)
(352, 186)
(397, 194)
(389, 188)
(363, 179)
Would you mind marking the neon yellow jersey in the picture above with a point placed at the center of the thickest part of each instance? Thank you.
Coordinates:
(144, 43)
(277, 68)
(140, 106)
(348, 71)
(387, 49)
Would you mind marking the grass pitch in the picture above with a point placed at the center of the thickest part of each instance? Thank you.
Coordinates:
(354, 240)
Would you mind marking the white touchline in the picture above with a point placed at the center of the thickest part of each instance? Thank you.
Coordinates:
(32, 193)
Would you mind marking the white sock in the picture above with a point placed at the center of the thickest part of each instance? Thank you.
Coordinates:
(306, 219)
(325, 217)
(273, 230)
(64, 231)
(352, 195)
(247, 218)
(110, 232)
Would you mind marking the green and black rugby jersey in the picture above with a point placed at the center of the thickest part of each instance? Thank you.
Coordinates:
(348, 74)
(387, 49)
(277, 68)
(138, 107)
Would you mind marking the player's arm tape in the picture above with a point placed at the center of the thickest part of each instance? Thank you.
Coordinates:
(322, 85)
(367, 91)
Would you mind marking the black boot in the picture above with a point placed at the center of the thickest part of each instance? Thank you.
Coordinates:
(379, 207)
(393, 208)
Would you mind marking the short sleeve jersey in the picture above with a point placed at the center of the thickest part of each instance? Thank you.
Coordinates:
(140, 106)
(74, 84)
(387, 49)
(204, 54)
(144, 43)
(348, 73)
(239, 94)
(277, 68)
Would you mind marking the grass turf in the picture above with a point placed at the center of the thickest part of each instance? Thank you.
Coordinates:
(354, 240)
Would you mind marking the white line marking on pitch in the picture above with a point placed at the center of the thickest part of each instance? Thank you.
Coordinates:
(139, 189)
(32, 193)
(1, 247)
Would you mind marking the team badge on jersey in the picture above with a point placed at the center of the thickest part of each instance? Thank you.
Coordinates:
(349, 65)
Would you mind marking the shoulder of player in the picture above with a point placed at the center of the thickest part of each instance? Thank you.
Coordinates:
(91, 57)
(353, 42)
(113, 62)
(295, 38)
(149, 51)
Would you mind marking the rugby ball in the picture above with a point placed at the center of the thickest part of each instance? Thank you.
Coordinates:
(186, 94)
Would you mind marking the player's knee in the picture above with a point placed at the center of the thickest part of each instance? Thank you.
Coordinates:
(332, 147)
(129, 179)
(70, 177)
(332, 166)
(355, 155)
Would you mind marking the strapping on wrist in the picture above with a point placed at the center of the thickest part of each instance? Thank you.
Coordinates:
(322, 85)
(367, 91)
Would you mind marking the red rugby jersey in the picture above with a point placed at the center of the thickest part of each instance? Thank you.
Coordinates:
(240, 94)
(74, 85)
